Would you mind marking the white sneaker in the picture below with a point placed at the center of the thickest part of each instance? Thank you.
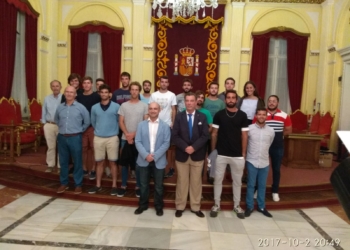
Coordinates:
(214, 211)
(239, 211)
(275, 197)
(255, 195)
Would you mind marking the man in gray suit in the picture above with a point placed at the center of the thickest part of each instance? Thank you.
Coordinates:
(152, 141)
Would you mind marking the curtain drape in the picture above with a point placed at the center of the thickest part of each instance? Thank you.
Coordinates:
(259, 64)
(296, 55)
(8, 24)
(111, 57)
(31, 55)
(79, 43)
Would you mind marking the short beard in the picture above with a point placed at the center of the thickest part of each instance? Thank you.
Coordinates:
(272, 109)
(229, 105)
(200, 104)
(146, 91)
(212, 94)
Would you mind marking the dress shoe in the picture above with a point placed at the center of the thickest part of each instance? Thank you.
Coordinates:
(198, 213)
(78, 190)
(159, 212)
(62, 189)
(140, 210)
(178, 213)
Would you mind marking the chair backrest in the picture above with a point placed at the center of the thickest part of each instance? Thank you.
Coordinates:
(7, 112)
(18, 111)
(315, 123)
(299, 120)
(326, 122)
(35, 110)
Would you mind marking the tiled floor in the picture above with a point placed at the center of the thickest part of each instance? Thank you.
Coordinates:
(67, 224)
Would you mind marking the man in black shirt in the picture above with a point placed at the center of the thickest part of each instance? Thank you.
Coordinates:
(88, 98)
(229, 137)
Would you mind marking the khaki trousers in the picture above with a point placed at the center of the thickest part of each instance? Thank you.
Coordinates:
(189, 180)
(51, 132)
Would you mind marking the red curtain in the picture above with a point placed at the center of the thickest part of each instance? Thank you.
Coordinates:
(24, 6)
(31, 55)
(260, 59)
(79, 43)
(296, 55)
(111, 57)
(8, 25)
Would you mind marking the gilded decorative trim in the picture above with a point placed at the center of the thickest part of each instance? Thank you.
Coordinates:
(212, 55)
(162, 46)
(281, 29)
(61, 44)
(148, 47)
(314, 52)
(288, 1)
(44, 37)
(95, 23)
(192, 20)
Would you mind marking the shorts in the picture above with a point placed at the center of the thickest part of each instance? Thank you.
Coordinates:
(106, 144)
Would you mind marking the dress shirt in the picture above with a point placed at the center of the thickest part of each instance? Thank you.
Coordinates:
(153, 129)
(72, 119)
(193, 114)
(49, 108)
(259, 142)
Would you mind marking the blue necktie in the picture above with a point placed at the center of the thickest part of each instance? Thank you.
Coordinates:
(190, 125)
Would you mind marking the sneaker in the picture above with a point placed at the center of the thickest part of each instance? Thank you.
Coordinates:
(275, 197)
(121, 192)
(133, 175)
(92, 175)
(239, 211)
(248, 212)
(85, 173)
(170, 173)
(264, 212)
(94, 190)
(137, 193)
(114, 191)
(49, 170)
(255, 194)
(214, 211)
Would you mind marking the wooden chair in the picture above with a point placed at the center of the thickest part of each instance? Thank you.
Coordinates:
(26, 135)
(299, 121)
(325, 128)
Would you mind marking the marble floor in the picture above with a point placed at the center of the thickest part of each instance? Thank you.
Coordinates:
(33, 222)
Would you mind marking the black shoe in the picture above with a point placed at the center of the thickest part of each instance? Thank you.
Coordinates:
(178, 213)
(159, 212)
(121, 192)
(198, 213)
(140, 210)
(94, 190)
(248, 212)
(170, 173)
(264, 212)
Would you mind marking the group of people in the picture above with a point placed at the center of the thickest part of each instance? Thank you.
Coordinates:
(236, 132)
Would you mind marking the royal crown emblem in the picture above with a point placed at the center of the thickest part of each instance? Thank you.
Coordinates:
(186, 62)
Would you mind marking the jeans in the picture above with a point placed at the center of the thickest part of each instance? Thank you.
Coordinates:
(256, 176)
(125, 171)
(70, 147)
(276, 154)
(158, 175)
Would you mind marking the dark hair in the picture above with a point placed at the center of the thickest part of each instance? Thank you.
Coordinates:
(74, 76)
(255, 91)
(100, 80)
(187, 80)
(199, 92)
(104, 86)
(213, 83)
(230, 91)
(87, 78)
(125, 74)
(164, 77)
(231, 78)
(278, 99)
(190, 94)
(260, 109)
(143, 83)
(135, 84)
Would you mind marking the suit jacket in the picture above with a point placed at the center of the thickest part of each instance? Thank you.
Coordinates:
(181, 138)
(143, 145)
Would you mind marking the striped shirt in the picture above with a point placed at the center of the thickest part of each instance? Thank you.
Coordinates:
(278, 121)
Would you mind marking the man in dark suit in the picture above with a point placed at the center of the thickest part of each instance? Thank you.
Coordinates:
(189, 134)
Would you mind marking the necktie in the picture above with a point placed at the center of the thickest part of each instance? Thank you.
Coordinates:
(190, 125)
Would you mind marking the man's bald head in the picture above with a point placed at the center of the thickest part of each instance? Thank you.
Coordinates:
(153, 110)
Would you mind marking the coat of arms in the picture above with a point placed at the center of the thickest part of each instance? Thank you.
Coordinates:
(186, 64)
